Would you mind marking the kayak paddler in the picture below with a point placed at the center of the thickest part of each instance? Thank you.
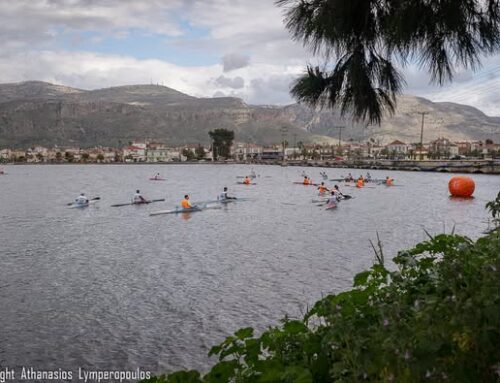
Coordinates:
(306, 181)
(138, 198)
(157, 176)
(333, 200)
(338, 194)
(368, 177)
(360, 183)
(185, 203)
(389, 181)
(253, 174)
(224, 195)
(322, 188)
(247, 180)
(82, 199)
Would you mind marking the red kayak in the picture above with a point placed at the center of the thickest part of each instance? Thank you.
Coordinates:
(302, 183)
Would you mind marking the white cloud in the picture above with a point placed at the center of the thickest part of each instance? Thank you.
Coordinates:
(234, 61)
(247, 38)
(227, 82)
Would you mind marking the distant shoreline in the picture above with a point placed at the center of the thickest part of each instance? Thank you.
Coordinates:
(458, 166)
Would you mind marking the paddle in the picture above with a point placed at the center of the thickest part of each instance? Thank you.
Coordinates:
(93, 199)
(138, 203)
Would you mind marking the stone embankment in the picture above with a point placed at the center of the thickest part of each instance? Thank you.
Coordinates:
(455, 166)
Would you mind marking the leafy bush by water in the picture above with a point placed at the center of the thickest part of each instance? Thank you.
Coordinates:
(435, 319)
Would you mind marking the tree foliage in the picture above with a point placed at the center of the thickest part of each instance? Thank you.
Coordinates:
(435, 318)
(222, 142)
(371, 38)
(189, 154)
(200, 152)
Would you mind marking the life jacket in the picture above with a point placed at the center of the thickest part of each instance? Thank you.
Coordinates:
(247, 181)
(306, 181)
(388, 182)
(185, 204)
(322, 189)
(360, 183)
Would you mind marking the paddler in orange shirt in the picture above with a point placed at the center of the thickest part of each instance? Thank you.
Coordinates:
(322, 188)
(185, 203)
(389, 181)
(247, 180)
(306, 181)
(360, 183)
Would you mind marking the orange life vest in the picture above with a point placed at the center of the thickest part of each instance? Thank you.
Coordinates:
(360, 183)
(247, 181)
(322, 189)
(388, 182)
(185, 204)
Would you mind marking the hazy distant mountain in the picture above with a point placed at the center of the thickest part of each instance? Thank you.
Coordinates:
(47, 114)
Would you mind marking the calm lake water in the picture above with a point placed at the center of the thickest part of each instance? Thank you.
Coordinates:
(113, 288)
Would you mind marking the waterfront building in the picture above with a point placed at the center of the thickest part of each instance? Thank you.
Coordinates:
(397, 148)
(156, 152)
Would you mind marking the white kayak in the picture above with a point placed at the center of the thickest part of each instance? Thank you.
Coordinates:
(82, 205)
(178, 210)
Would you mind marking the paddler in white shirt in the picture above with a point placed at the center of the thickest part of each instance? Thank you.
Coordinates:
(81, 199)
(224, 195)
(138, 198)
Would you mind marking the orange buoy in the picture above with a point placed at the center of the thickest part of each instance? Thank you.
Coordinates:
(461, 186)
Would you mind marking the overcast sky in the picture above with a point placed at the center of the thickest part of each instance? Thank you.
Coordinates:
(205, 48)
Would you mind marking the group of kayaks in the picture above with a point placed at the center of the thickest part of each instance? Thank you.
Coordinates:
(326, 196)
(83, 201)
(331, 197)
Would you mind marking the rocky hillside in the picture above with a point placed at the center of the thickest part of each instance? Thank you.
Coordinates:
(47, 114)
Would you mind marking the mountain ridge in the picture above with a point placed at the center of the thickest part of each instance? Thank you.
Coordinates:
(41, 113)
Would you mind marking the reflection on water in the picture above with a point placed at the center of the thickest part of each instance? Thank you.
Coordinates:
(115, 288)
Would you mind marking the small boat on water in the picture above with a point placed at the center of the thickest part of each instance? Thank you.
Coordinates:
(138, 203)
(178, 210)
(76, 205)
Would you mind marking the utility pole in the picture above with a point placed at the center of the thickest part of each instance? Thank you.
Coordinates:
(422, 135)
(340, 133)
(294, 146)
(284, 130)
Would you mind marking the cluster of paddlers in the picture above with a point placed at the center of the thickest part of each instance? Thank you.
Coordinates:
(331, 197)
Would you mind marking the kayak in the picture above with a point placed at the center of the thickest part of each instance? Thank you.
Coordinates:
(242, 183)
(157, 179)
(82, 205)
(250, 176)
(138, 203)
(229, 200)
(356, 186)
(339, 179)
(302, 183)
(178, 210)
